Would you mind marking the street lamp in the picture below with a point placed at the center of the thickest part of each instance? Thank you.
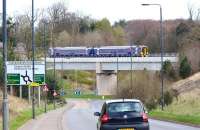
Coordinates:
(44, 45)
(46, 23)
(33, 60)
(5, 93)
(117, 75)
(161, 49)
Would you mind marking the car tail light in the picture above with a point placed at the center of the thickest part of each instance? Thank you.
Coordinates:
(104, 118)
(145, 118)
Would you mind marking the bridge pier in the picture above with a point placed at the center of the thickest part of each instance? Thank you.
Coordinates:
(106, 81)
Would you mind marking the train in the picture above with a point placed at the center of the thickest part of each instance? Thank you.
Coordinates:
(103, 51)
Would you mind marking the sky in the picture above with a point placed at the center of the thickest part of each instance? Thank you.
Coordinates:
(114, 10)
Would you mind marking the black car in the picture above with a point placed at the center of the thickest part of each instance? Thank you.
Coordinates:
(122, 114)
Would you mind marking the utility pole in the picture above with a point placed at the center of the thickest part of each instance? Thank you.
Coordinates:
(45, 102)
(131, 69)
(162, 51)
(161, 48)
(54, 70)
(117, 76)
(62, 78)
(33, 61)
(5, 93)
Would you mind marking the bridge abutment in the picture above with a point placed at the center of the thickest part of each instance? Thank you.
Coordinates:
(106, 81)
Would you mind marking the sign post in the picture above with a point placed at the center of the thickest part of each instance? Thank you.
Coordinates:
(20, 72)
(45, 89)
(5, 106)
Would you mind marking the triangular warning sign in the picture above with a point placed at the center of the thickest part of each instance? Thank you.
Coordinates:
(45, 88)
(54, 94)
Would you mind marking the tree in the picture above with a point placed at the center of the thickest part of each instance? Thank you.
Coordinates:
(121, 23)
(51, 81)
(105, 28)
(119, 35)
(191, 11)
(182, 28)
(169, 70)
(24, 33)
(63, 39)
(185, 68)
(11, 38)
(85, 24)
(93, 39)
(103, 25)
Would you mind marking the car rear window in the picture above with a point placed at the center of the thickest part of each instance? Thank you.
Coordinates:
(118, 107)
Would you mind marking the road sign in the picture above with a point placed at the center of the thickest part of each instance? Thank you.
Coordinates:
(21, 73)
(78, 92)
(39, 78)
(54, 93)
(62, 92)
(34, 84)
(45, 88)
(13, 79)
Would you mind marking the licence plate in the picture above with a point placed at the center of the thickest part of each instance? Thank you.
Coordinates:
(127, 129)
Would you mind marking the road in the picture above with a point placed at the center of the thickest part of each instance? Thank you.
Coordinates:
(80, 117)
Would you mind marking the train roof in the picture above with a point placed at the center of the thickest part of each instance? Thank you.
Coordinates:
(101, 47)
(69, 48)
(114, 47)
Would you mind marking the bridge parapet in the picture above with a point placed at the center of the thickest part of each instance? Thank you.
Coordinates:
(109, 63)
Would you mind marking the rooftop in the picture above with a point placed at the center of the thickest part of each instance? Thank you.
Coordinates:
(122, 100)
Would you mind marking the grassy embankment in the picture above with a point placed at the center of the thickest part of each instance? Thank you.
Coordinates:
(20, 112)
(184, 110)
(70, 80)
(83, 80)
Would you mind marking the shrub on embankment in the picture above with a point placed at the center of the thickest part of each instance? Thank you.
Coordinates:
(145, 86)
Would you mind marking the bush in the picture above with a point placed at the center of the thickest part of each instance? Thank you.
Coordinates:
(168, 98)
(143, 87)
(185, 68)
(50, 79)
(151, 104)
(168, 70)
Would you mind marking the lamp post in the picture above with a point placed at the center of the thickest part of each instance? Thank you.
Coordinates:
(54, 70)
(46, 24)
(161, 49)
(33, 60)
(44, 40)
(5, 93)
(117, 75)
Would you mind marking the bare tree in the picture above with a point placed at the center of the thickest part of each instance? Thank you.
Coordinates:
(24, 33)
(198, 15)
(191, 11)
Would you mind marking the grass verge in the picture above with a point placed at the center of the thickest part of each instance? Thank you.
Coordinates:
(185, 119)
(26, 115)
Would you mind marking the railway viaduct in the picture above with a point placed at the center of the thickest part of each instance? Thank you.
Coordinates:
(106, 67)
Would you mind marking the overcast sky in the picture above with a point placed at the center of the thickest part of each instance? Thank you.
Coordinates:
(112, 9)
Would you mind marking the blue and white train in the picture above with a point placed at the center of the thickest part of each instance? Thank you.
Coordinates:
(104, 51)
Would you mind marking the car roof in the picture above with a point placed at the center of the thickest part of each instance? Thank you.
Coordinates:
(122, 100)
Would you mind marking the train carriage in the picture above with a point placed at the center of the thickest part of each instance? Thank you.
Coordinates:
(144, 51)
(104, 51)
(114, 51)
(69, 52)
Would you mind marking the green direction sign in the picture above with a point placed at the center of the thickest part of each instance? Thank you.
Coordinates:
(13, 79)
(39, 78)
